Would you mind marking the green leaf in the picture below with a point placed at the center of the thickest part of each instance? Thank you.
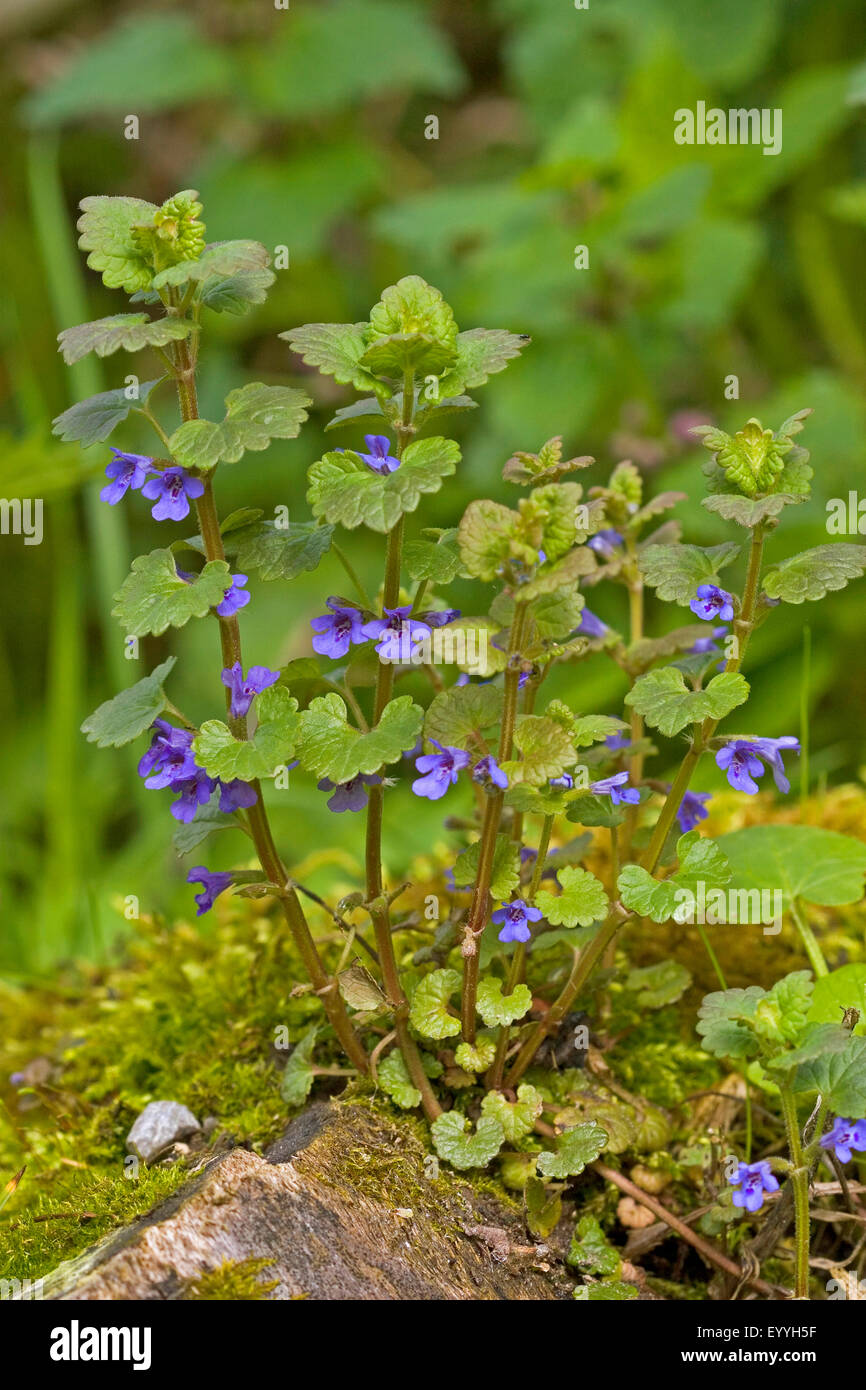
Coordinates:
(842, 989)
(781, 1015)
(222, 755)
(581, 902)
(725, 1022)
(93, 420)
(660, 984)
(675, 571)
(459, 713)
(394, 355)
(106, 232)
(335, 348)
(154, 597)
(517, 1118)
(395, 1081)
(298, 1076)
(574, 1150)
(484, 536)
(588, 809)
(457, 1145)
(132, 332)
(188, 834)
(505, 874)
(752, 459)
(480, 354)
(607, 1291)
(666, 704)
(565, 573)
(701, 861)
(218, 260)
(545, 751)
(840, 1077)
(816, 1040)
(594, 728)
(496, 1008)
(476, 1057)
(237, 293)
(280, 552)
(330, 747)
(437, 562)
(646, 896)
(590, 1251)
(122, 719)
(345, 491)
(543, 1208)
(748, 511)
(429, 1013)
(814, 573)
(412, 306)
(801, 861)
(255, 414)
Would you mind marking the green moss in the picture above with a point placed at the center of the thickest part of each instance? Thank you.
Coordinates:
(232, 1281)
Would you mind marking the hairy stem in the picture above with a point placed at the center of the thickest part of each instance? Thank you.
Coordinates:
(800, 1187)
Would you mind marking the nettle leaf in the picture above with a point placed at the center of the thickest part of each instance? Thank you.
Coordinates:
(497, 1008)
(218, 260)
(725, 1022)
(751, 459)
(781, 1015)
(574, 1150)
(517, 1118)
(800, 861)
(815, 573)
(594, 728)
(484, 537)
(456, 1144)
(298, 1076)
(132, 332)
(659, 984)
(235, 294)
(457, 714)
(842, 989)
(505, 874)
(93, 420)
(480, 354)
(280, 552)
(335, 348)
(666, 703)
(106, 232)
(476, 1057)
(345, 491)
(154, 597)
(840, 1077)
(437, 562)
(255, 414)
(557, 614)
(119, 721)
(331, 747)
(222, 755)
(748, 511)
(576, 565)
(188, 834)
(675, 571)
(581, 902)
(545, 751)
(395, 1081)
(430, 1013)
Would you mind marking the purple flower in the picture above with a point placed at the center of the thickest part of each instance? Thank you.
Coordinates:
(337, 630)
(514, 919)
(169, 760)
(707, 644)
(605, 543)
(615, 787)
(234, 597)
(212, 885)
(379, 458)
(171, 490)
(617, 741)
(236, 795)
(565, 780)
(243, 689)
(397, 634)
(751, 1181)
(439, 617)
(440, 770)
(691, 810)
(741, 759)
(194, 792)
(351, 795)
(487, 770)
(125, 471)
(712, 602)
(590, 625)
(845, 1136)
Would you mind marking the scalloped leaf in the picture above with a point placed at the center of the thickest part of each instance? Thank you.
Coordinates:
(298, 1075)
(840, 1077)
(574, 1150)
(395, 1081)
(476, 1057)
(335, 348)
(132, 332)
(456, 1143)
(484, 537)
(545, 751)
(92, 420)
(345, 491)
(725, 1019)
(665, 702)
(435, 561)
(255, 414)
(119, 721)
(216, 749)
(279, 552)
(587, 729)
(748, 511)
(675, 571)
(497, 1008)
(106, 232)
(660, 984)
(331, 747)
(218, 260)
(480, 354)
(517, 1118)
(814, 573)
(154, 597)
(505, 873)
(581, 902)
(456, 715)
(429, 1013)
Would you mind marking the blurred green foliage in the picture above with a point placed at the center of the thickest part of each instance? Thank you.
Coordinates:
(307, 128)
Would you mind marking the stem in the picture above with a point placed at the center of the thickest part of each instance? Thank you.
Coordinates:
(493, 813)
(800, 1187)
(350, 570)
(636, 730)
(809, 940)
(230, 641)
(804, 716)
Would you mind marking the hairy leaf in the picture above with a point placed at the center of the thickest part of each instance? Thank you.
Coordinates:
(132, 332)
(331, 747)
(255, 414)
(814, 573)
(222, 755)
(675, 571)
(345, 491)
(122, 719)
(574, 1150)
(93, 420)
(581, 902)
(666, 704)
(154, 597)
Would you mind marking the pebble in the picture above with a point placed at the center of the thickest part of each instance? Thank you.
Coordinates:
(160, 1124)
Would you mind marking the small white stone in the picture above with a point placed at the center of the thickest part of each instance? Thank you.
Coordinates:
(160, 1124)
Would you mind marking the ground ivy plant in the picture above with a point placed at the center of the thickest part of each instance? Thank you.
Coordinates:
(455, 1028)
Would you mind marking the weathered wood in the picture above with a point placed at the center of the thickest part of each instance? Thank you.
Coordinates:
(343, 1207)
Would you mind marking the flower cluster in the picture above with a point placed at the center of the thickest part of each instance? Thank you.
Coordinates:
(170, 489)
(169, 762)
(750, 1182)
